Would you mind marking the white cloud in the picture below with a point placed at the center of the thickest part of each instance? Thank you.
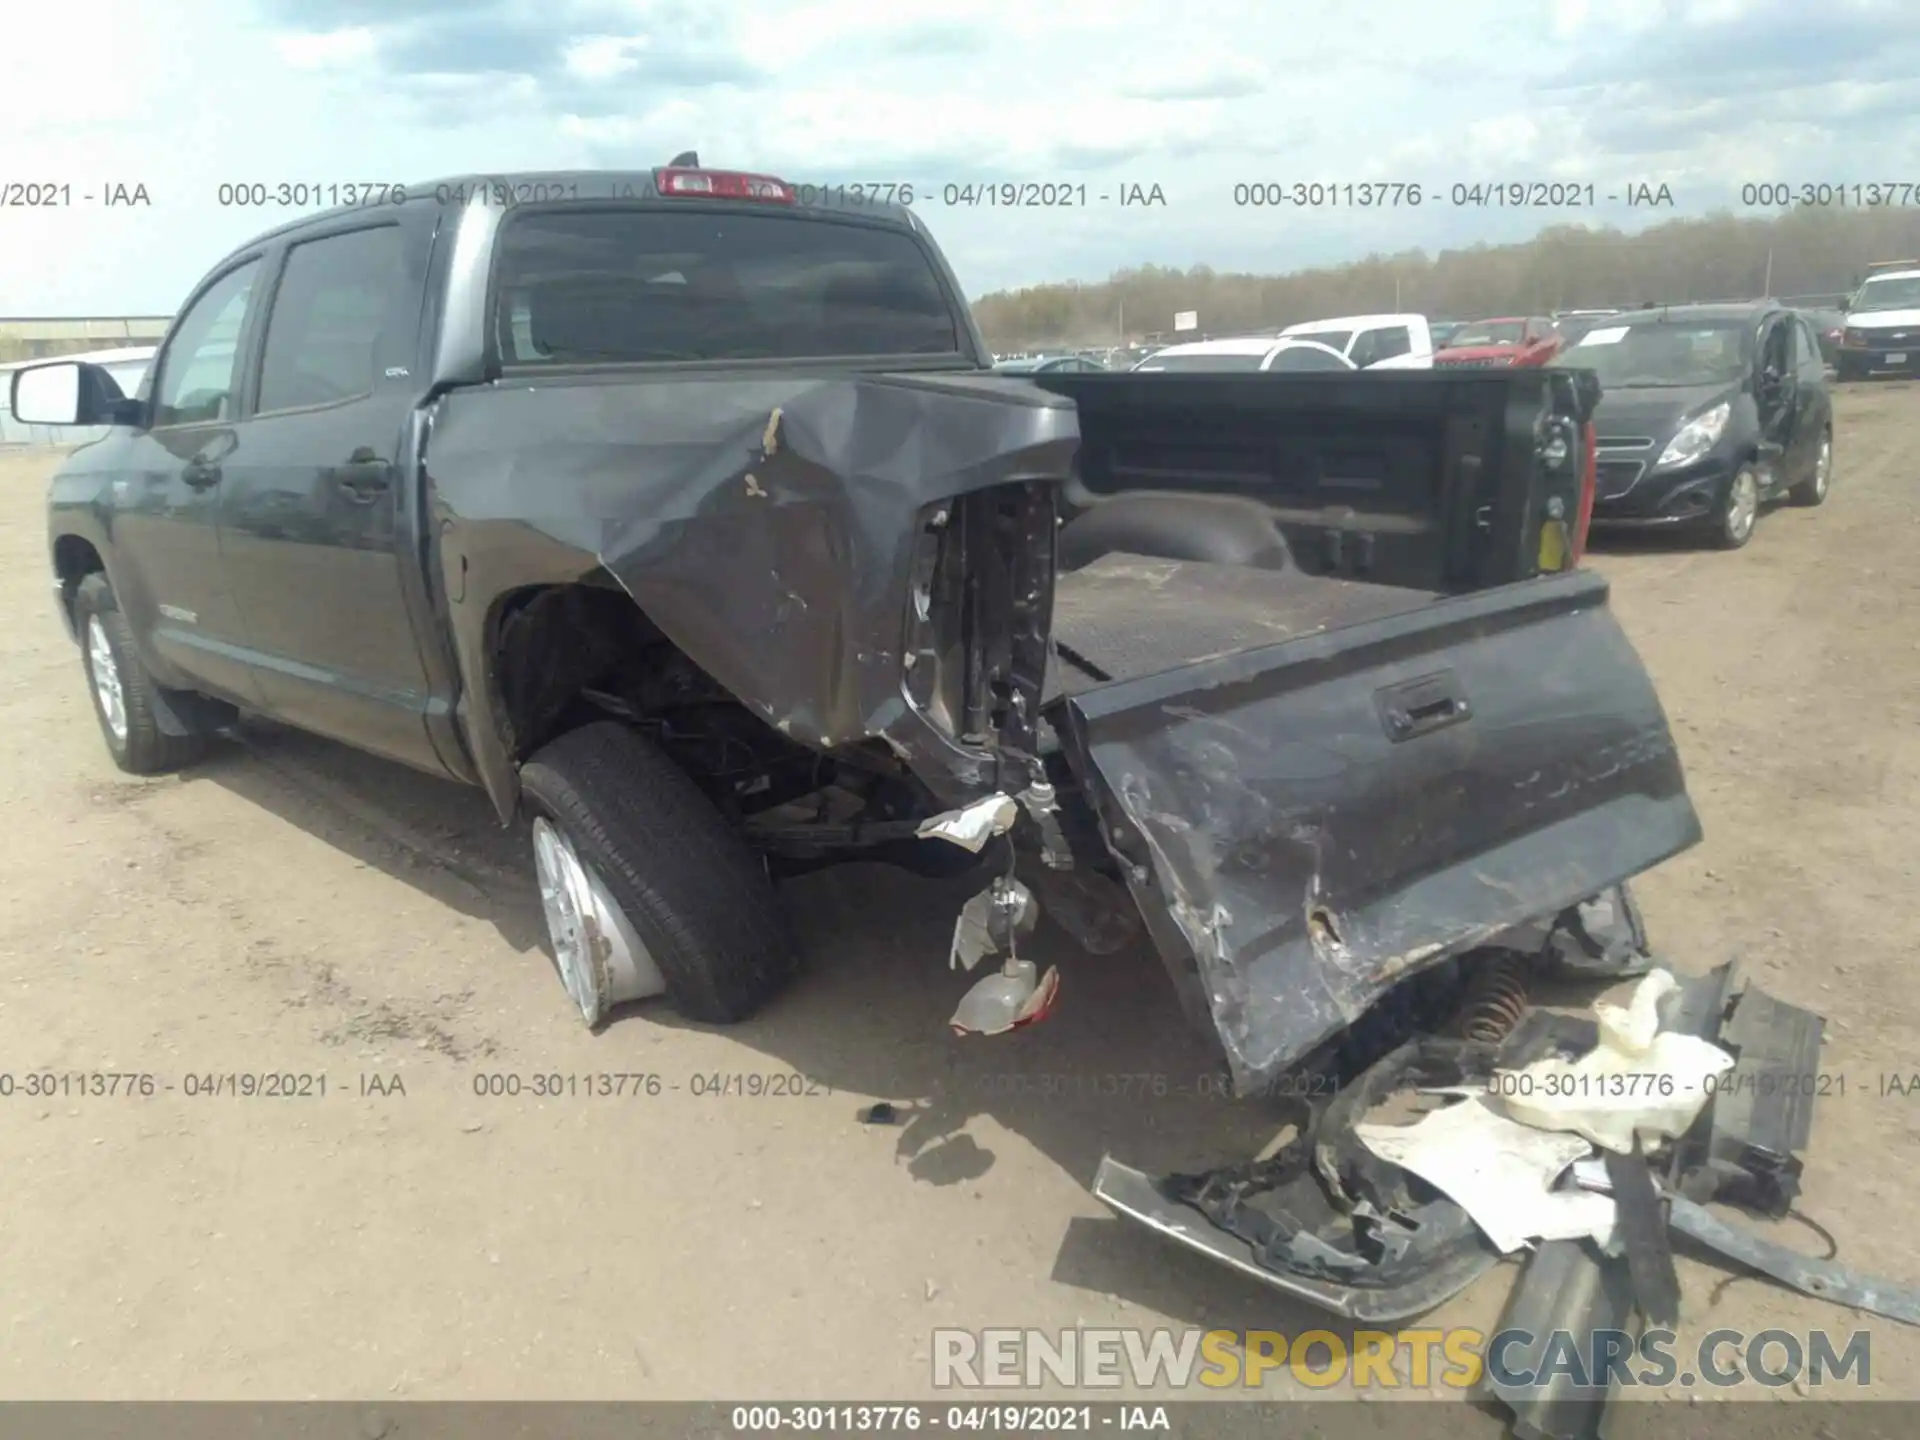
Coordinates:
(601, 57)
(193, 94)
(334, 49)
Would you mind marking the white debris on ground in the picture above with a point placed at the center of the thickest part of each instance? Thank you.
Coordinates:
(1639, 1079)
(1499, 1153)
(1499, 1171)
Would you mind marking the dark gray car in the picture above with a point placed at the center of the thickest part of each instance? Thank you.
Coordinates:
(1708, 413)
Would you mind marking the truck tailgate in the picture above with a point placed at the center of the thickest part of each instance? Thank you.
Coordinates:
(1306, 822)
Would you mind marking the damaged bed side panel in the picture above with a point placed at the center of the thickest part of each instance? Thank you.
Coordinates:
(764, 523)
(1306, 823)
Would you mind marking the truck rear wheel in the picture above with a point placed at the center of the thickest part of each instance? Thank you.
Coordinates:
(645, 886)
(124, 695)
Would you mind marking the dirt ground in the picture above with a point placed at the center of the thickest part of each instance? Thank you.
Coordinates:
(293, 907)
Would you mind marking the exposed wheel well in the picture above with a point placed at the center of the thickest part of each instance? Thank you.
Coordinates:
(565, 655)
(73, 560)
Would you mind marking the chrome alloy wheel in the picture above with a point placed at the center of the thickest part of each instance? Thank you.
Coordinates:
(1743, 506)
(105, 670)
(602, 961)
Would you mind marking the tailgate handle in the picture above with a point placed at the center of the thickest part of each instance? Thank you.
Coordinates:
(1419, 707)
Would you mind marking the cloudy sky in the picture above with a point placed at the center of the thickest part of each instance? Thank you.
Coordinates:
(1195, 97)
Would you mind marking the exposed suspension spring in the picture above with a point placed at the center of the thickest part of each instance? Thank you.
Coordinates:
(1497, 996)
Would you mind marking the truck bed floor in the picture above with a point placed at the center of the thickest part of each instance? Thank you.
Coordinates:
(1125, 616)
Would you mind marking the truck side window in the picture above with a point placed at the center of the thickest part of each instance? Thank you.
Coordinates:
(1394, 340)
(329, 312)
(199, 371)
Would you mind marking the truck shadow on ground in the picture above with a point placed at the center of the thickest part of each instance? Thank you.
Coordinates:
(1115, 1069)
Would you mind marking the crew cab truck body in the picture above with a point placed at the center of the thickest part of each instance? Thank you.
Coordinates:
(691, 523)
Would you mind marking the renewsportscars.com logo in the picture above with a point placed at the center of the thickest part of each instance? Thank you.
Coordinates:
(1455, 1359)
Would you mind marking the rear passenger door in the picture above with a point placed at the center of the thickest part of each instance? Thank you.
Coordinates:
(317, 525)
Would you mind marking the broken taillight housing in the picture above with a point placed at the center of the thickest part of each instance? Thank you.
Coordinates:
(979, 611)
(1567, 466)
(682, 183)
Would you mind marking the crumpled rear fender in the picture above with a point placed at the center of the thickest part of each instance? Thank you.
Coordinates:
(764, 525)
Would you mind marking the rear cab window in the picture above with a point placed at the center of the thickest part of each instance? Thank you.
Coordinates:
(661, 284)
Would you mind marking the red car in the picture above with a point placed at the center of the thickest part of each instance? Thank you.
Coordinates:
(1510, 341)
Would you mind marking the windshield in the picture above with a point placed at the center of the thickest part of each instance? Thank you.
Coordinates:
(1488, 332)
(640, 285)
(1332, 339)
(1305, 357)
(1664, 354)
(1199, 362)
(1019, 367)
(1889, 294)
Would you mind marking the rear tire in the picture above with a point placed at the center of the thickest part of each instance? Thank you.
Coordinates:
(695, 894)
(1737, 515)
(123, 693)
(1813, 490)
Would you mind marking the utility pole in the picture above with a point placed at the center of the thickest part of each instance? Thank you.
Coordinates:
(1766, 290)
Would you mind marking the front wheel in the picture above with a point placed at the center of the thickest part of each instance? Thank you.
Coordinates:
(1813, 489)
(124, 695)
(1739, 510)
(645, 886)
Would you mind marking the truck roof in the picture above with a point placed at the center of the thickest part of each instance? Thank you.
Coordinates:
(1893, 275)
(522, 187)
(1355, 322)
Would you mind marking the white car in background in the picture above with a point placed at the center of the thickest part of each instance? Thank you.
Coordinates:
(1252, 353)
(1372, 342)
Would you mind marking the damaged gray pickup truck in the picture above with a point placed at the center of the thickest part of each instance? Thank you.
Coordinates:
(684, 515)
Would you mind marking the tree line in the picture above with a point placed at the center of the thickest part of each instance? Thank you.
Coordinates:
(1807, 251)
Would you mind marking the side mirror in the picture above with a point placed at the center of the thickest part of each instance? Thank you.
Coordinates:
(47, 394)
(69, 392)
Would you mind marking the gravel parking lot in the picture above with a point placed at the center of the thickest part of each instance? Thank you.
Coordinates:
(290, 907)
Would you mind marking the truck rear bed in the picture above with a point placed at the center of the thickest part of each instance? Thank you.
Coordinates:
(1126, 616)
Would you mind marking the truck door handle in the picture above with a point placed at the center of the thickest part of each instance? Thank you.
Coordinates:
(1421, 706)
(200, 475)
(363, 476)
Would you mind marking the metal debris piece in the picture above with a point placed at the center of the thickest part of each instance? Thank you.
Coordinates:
(770, 437)
(1601, 938)
(1643, 1228)
(971, 826)
(1043, 805)
(878, 1113)
(1762, 1114)
(991, 922)
(1804, 1273)
(1808, 1274)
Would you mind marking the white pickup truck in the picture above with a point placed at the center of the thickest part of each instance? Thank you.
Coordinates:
(1389, 342)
